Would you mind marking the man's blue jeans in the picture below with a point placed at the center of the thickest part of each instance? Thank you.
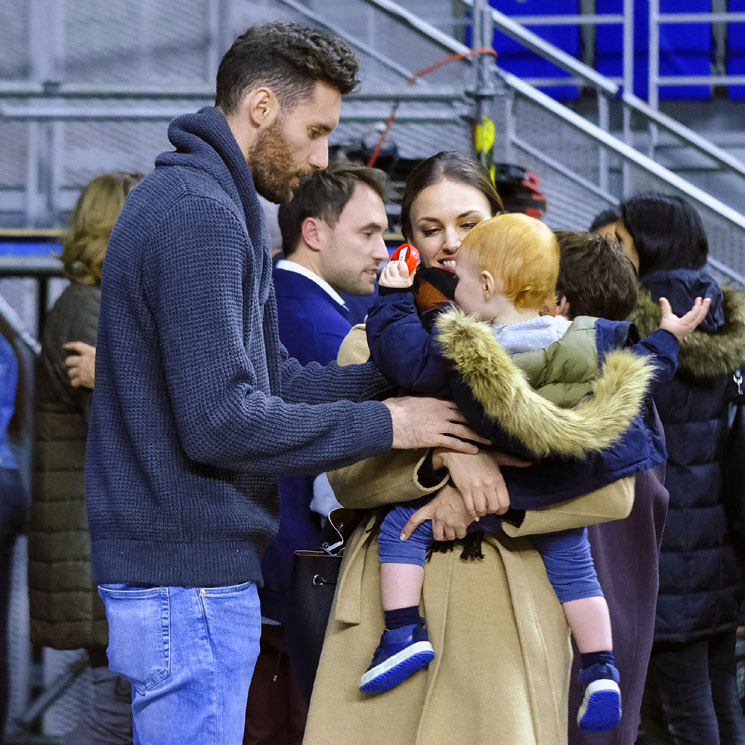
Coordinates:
(189, 654)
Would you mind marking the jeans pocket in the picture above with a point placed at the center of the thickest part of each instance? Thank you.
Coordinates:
(139, 634)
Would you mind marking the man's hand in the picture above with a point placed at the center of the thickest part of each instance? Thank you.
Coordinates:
(81, 365)
(396, 274)
(478, 478)
(430, 423)
(681, 327)
(448, 514)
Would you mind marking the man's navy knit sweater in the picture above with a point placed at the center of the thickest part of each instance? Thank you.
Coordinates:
(197, 408)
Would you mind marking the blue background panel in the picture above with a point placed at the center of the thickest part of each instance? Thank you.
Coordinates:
(29, 248)
(514, 58)
(736, 50)
(685, 48)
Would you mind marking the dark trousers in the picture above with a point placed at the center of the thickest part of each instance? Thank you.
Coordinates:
(109, 721)
(276, 710)
(695, 683)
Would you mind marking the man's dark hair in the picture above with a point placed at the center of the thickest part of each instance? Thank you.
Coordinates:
(595, 275)
(667, 232)
(324, 194)
(287, 57)
(606, 217)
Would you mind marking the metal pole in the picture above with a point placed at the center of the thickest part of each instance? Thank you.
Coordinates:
(493, 103)
(628, 87)
(654, 68)
(603, 123)
(57, 130)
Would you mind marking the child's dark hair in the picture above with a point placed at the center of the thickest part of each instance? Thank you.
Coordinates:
(595, 276)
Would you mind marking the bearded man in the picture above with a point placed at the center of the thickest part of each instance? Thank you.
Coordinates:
(197, 408)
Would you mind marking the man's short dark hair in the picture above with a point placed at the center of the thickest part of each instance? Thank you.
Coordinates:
(606, 217)
(324, 194)
(287, 57)
(595, 275)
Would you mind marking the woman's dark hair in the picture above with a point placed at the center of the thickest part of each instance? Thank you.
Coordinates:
(447, 166)
(287, 57)
(667, 232)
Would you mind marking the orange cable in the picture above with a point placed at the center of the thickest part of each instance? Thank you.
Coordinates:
(419, 74)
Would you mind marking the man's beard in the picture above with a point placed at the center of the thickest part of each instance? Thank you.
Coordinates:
(272, 166)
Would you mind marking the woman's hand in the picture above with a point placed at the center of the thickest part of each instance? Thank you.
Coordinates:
(448, 514)
(81, 364)
(478, 478)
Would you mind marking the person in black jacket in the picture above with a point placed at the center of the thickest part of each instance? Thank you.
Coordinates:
(65, 609)
(701, 578)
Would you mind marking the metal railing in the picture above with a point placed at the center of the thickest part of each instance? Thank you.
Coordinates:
(645, 168)
(606, 88)
(44, 102)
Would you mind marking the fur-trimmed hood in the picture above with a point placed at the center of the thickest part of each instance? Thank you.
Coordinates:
(501, 388)
(701, 354)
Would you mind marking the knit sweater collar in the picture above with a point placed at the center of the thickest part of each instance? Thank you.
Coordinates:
(204, 140)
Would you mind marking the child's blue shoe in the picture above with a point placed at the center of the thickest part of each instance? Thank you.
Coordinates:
(601, 706)
(400, 653)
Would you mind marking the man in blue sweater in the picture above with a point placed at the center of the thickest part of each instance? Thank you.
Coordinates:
(332, 240)
(197, 408)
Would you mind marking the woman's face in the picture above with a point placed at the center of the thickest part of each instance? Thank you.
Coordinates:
(441, 215)
(627, 243)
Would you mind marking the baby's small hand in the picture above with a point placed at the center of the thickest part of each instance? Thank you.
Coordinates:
(681, 327)
(396, 274)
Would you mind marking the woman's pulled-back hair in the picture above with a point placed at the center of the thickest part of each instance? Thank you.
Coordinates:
(93, 218)
(667, 232)
(520, 251)
(287, 57)
(447, 166)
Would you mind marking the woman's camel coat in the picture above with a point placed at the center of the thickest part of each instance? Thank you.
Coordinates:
(501, 671)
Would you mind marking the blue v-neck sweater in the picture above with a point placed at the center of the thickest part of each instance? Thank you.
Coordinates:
(197, 409)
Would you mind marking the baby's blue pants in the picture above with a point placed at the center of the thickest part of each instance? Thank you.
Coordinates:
(566, 554)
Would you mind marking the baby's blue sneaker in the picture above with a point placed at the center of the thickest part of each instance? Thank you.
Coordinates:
(601, 706)
(400, 653)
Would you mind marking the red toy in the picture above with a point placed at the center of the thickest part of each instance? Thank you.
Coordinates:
(406, 252)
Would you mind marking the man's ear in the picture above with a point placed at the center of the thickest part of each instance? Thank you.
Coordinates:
(261, 107)
(563, 309)
(312, 233)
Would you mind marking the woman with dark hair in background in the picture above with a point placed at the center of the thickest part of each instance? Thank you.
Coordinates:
(692, 667)
(66, 611)
(503, 673)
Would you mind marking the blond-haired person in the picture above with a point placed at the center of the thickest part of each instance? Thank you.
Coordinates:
(506, 273)
(66, 612)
